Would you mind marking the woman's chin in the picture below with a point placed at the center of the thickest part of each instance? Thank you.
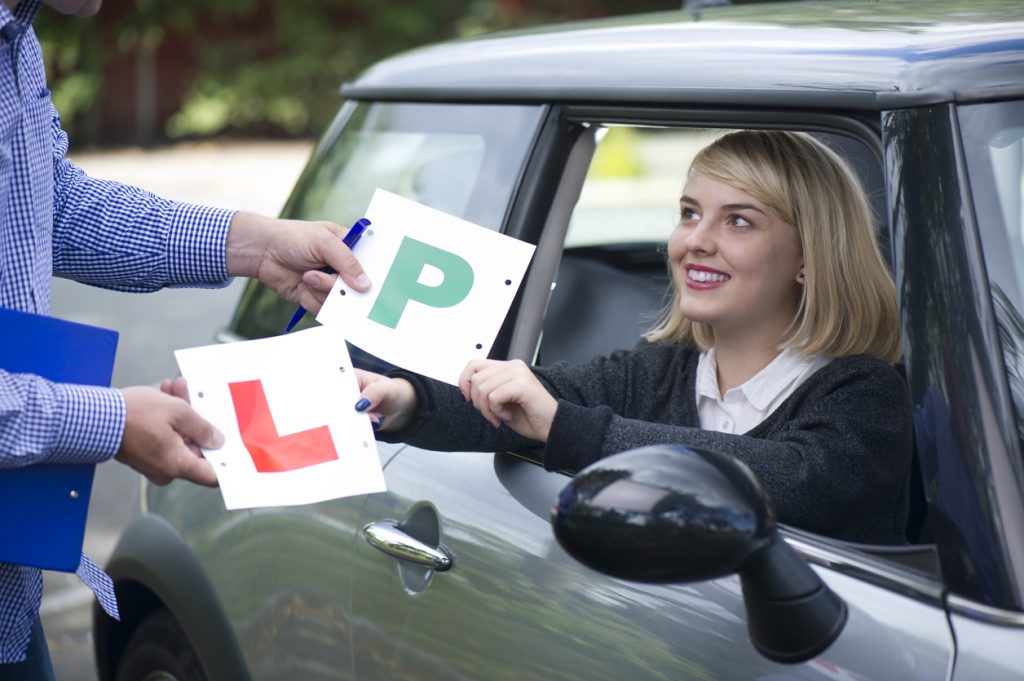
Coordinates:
(698, 315)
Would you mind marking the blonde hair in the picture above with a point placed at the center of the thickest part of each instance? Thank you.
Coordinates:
(848, 301)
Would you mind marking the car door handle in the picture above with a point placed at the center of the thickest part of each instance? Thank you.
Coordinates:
(389, 537)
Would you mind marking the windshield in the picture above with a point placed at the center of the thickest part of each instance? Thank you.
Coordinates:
(462, 159)
(993, 136)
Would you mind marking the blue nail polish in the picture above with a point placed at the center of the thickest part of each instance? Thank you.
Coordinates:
(362, 404)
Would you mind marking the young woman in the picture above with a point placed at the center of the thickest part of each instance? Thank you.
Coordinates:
(778, 348)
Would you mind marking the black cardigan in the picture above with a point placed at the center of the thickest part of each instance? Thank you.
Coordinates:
(835, 456)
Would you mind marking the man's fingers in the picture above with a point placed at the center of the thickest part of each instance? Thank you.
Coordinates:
(179, 388)
(334, 228)
(344, 262)
(161, 433)
(191, 426)
(158, 479)
(319, 281)
(310, 299)
(175, 387)
(195, 468)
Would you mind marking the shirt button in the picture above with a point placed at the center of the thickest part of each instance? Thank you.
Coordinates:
(726, 424)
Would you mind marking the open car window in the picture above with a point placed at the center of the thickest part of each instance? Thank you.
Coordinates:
(613, 284)
(612, 281)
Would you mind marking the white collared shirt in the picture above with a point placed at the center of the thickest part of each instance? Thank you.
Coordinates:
(747, 405)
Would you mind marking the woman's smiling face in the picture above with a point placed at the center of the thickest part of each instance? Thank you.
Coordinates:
(736, 263)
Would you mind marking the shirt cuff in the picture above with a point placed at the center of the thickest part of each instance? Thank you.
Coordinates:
(92, 424)
(577, 436)
(197, 246)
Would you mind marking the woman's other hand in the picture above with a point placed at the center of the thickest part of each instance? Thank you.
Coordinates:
(508, 392)
(390, 402)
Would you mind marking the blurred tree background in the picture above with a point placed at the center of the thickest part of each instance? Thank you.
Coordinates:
(146, 72)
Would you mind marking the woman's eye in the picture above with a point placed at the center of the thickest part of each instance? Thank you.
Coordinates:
(739, 221)
(687, 213)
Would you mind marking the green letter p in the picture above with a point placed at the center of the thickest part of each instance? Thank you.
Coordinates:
(403, 281)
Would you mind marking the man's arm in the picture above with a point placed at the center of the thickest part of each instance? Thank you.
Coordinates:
(45, 422)
(125, 238)
(57, 423)
(121, 237)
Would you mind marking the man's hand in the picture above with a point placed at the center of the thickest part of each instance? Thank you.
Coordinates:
(162, 435)
(508, 392)
(287, 256)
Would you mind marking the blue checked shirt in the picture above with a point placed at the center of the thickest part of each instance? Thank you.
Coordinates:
(56, 220)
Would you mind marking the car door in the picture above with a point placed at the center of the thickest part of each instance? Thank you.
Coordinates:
(515, 606)
(976, 476)
(512, 604)
(284, 574)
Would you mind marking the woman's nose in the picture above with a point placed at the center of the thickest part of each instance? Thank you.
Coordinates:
(700, 237)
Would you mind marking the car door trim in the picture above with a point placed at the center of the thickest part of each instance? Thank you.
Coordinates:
(864, 125)
(984, 613)
(854, 563)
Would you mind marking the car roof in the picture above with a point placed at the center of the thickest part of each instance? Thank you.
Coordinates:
(862, 55)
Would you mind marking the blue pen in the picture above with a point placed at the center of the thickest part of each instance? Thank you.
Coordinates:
(350, 240)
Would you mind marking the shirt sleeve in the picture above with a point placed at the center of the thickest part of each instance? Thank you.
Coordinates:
(46, 422)
(124, 238)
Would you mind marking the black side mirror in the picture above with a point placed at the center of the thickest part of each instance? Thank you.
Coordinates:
(667, 514)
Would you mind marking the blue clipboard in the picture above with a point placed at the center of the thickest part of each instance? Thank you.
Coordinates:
(43, 508)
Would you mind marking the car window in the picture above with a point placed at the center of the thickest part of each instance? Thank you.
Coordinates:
(631, 191)
(612, 280)
(993, 137)
(612, 283)
(462, 159)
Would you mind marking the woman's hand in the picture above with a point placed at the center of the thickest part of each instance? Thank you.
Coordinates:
(390, 402)
(508, 392)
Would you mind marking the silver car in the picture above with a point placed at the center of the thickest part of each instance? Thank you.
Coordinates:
(576, 138)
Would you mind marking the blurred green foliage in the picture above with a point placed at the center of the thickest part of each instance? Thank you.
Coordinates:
(259, 67)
